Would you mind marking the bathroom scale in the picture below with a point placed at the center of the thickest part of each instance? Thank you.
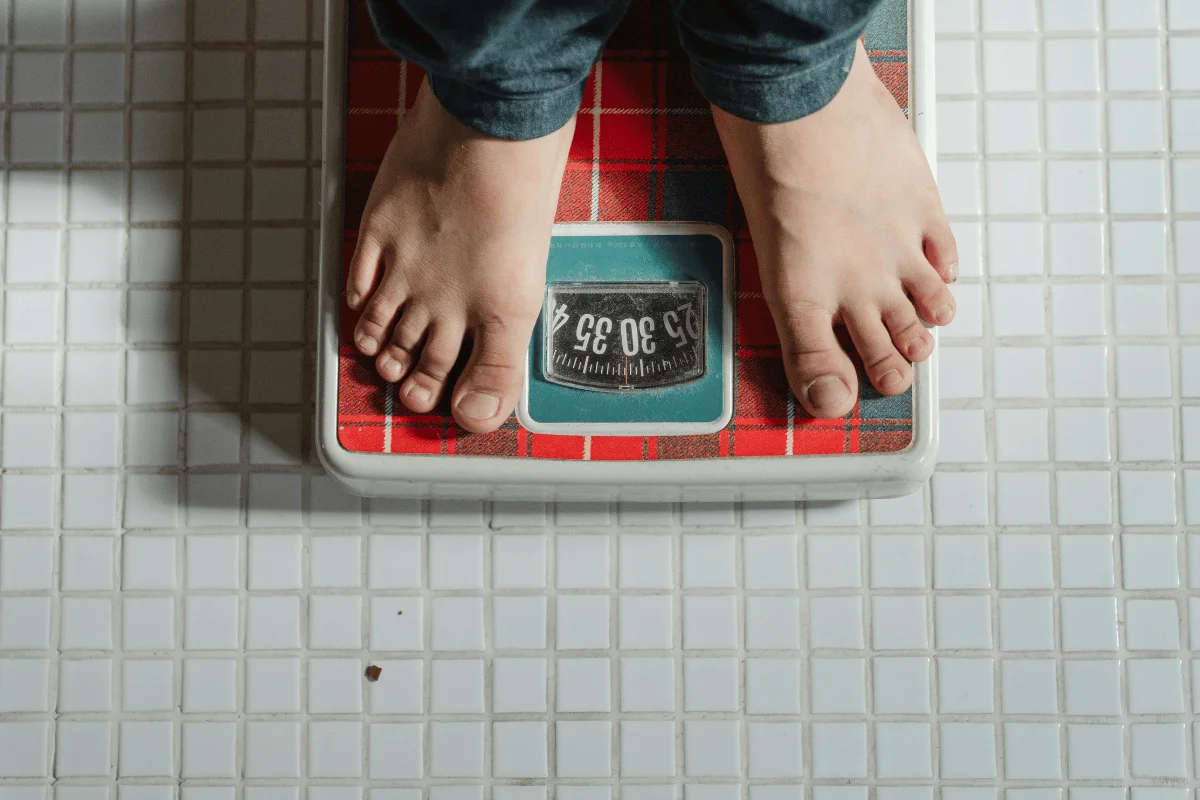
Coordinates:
(654, 371)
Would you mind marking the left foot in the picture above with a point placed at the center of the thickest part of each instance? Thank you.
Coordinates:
(849, 230)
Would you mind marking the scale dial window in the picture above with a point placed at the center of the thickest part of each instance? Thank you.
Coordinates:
(621, 337)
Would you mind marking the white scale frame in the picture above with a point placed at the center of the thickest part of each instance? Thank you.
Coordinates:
(820, 477)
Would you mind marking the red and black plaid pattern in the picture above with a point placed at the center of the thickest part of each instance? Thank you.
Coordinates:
(645, 149)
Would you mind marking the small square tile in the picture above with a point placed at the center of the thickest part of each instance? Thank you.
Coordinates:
(147, 685)
(582, 684)
(839, 750)
(647, 684)
(86, 624)
(272, 685)
(775, 749)
(1149, 561)
(1133, 65)
(1086, 561)
(583, 622)
(519, 685)
(770, 561)
(710, 623)
(519, 623)
(581, 561)
(1071, 65)
(710, 684)
(1014, 187)
(1031, 751)
(1021, 434)
(1095, 752)
(901, 685)
(772, 623)
(399, 689)
(1147, 497)
(1135, 126)
(836, 622)
(209, 685)
(1084, 498)
(773, 686)
(209, 750)
(148, 623)
(335, 686)
(83, 685)
(335, 749)
(83, 750)
(963, 623)
(647, 751)
(1143, 372)
(1151, 625)
(273, 623)
(1023, 498)
(273, 749)
(645, 623)
(1089, 624)
(1139, 247)
(1092, 688)
(1158, 750)
(1025, 562)
(1136, 185)
(518, 562)
(644, 562)
(1075, 187)
(211, 622)
(833, 562)
(965, 686)
(1155, 686)
(899, 623)
(838, 686)
(25, 684)
(1009, 66)
(709, 561)
(960, 498)
(1140, 310)
(1081, 434)
(584, 749)
(1026, 623)
(961, 562)
(518, 749)
(897, 561)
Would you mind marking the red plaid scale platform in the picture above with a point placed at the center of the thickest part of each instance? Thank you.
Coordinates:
(645, 149)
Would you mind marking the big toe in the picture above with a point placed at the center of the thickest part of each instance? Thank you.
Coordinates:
(818, 369)
(490, 385)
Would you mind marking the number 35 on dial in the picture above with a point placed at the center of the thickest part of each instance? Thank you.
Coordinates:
(624, 336)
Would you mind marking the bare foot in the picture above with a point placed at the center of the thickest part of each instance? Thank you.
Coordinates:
(849, 229)
(460, 225)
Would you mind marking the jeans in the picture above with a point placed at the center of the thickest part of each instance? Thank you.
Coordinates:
(515, 69)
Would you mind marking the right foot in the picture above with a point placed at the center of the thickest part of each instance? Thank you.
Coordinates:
(459, 224)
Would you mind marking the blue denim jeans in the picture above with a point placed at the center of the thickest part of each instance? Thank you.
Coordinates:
(515, 69)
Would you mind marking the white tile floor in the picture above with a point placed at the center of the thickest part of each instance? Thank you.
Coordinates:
(185, 602)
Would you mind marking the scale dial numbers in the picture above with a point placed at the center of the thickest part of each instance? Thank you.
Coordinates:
(624, 336)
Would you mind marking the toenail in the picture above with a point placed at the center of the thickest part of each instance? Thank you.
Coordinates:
(367, 344)
(352, 298)
(418, 394)
(890, 379)
(390, 368)
(952, 272)
(828, 390)
(915, 347)
(479, 405)
(943, 314)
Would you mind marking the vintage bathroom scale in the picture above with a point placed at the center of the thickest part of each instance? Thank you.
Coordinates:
(654, 370)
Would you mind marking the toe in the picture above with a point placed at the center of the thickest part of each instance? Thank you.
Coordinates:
(909, 336)
(423, 387)
(488, 390)
(395, 360)
(819, 371)
(888, 371)
(934, 302)
(942, 251)
(364, 270)
(377, 318)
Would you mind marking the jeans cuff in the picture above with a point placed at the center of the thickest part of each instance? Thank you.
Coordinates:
(513, 118)
(778, 98)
